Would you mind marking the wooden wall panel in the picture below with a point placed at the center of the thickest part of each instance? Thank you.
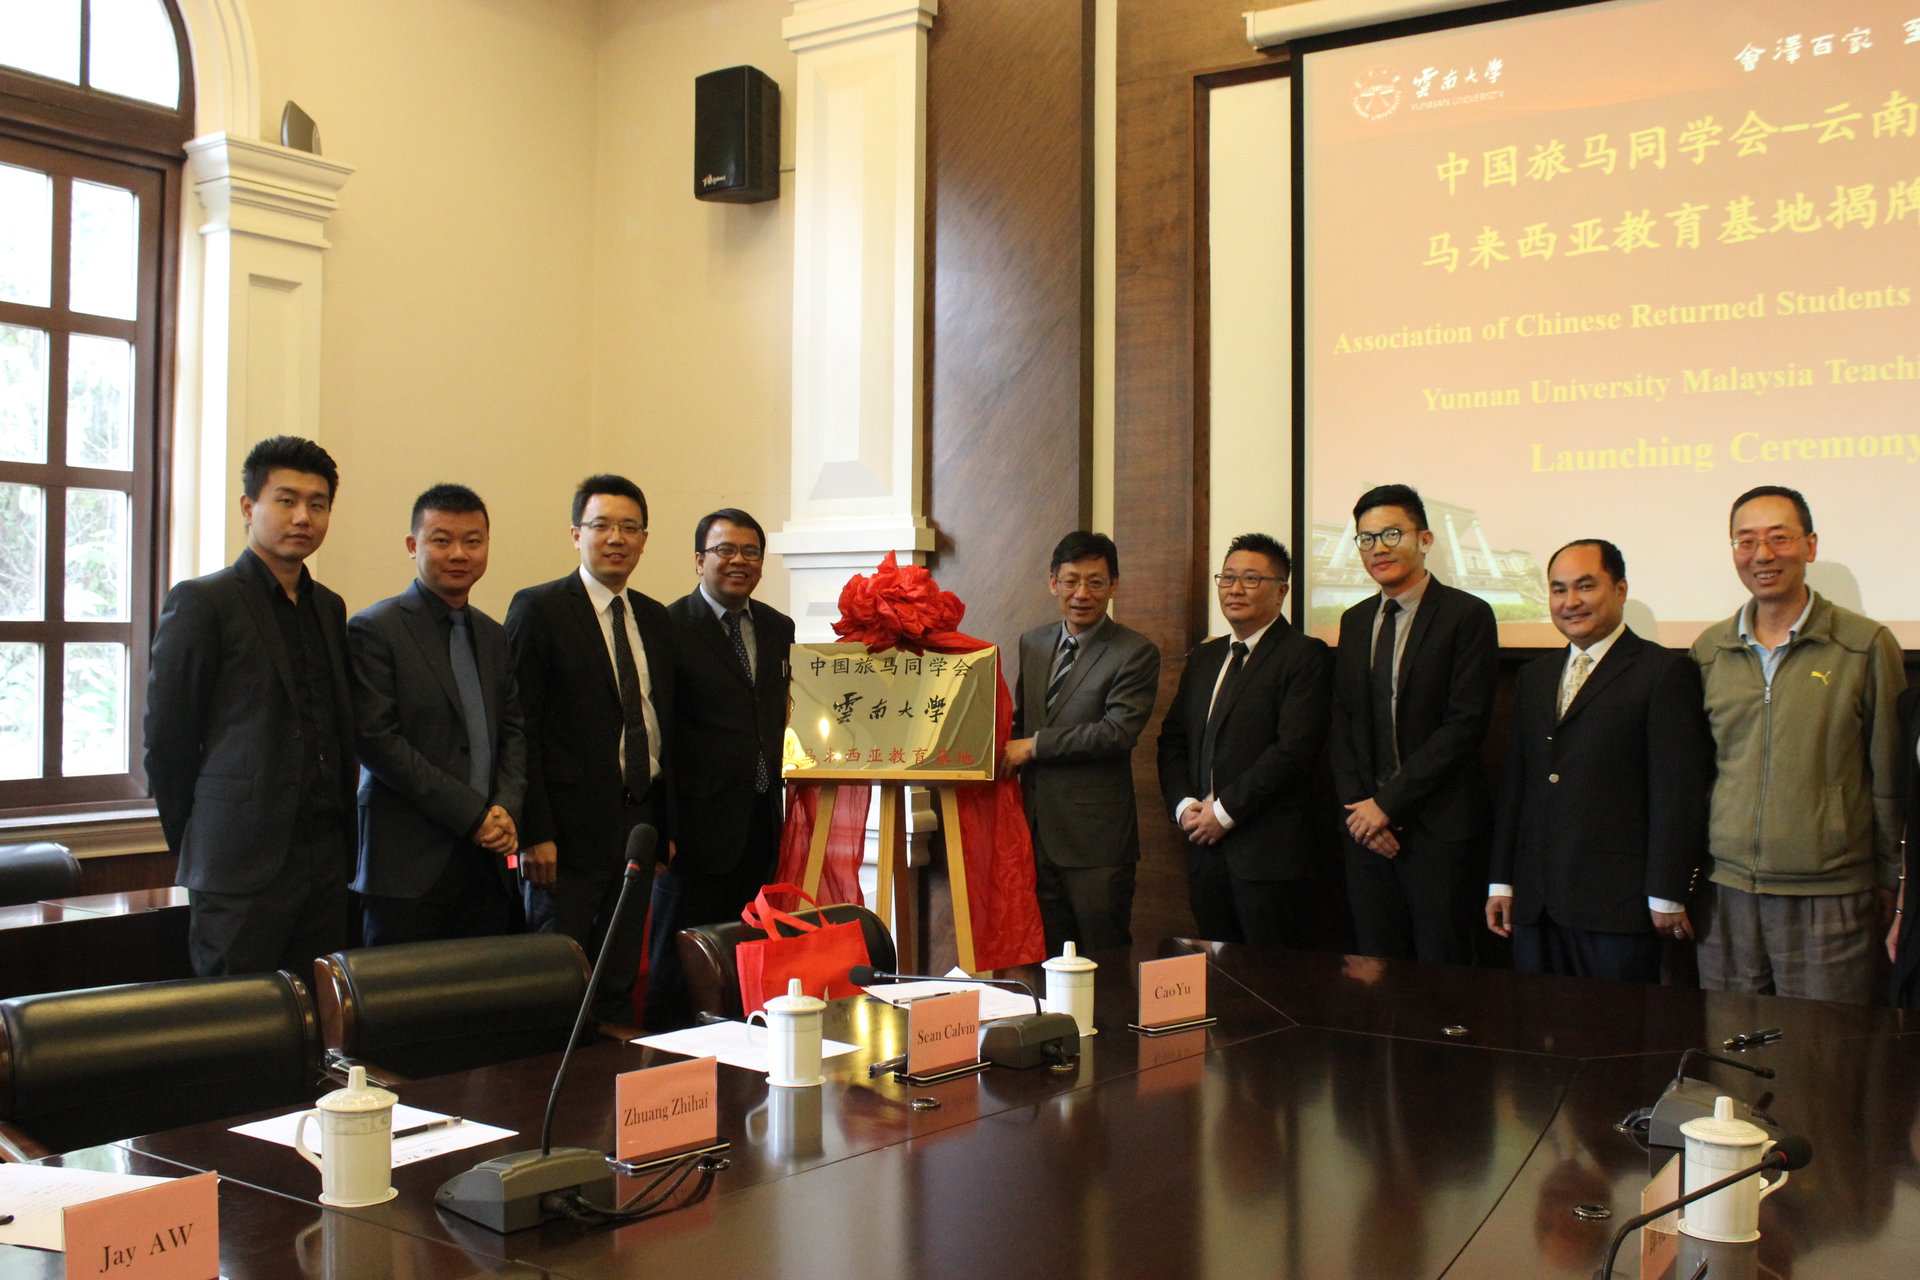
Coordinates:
(1009, 306)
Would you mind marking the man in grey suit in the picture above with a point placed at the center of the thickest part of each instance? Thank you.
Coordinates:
(442, 752)
(249, 730)
(1087, 687)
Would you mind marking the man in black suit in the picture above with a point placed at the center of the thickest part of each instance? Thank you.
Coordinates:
(442, 752)
(1602, 820)
(249, 731)
(1237, 752)
(594, 665)
(1413, 691)
(730, 656)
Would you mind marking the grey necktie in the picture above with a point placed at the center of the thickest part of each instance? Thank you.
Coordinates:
(473, 703)
(760, 777)
(1069, 649)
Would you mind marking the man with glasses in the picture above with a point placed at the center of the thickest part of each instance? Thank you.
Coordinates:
(594, 662)
(1804, 826)
(1087, 686)
(730, 715)
(1413, 693)
(1237, 755)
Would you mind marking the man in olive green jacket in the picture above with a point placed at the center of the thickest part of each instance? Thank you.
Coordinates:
(1805, 825)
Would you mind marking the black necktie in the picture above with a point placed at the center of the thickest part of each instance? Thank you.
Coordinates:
(760, 778)
(473, 704)
(1386, 751)
(1217, 714)
(638, 773)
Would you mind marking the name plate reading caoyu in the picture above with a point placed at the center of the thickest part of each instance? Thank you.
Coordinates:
(665, 1111)
(1173, 993)
(943, 1033)
(166, 1232)
(860, 716)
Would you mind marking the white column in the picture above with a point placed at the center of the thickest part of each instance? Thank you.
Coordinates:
(262, 244)
(859, 244)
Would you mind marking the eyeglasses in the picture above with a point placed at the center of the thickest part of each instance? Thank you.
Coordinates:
(627, 528)
(1780, 543)
(1251, 581)
(1386, 538)
(1073, 585)
(727, 551)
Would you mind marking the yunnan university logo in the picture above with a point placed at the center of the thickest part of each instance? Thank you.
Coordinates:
(1377, 92)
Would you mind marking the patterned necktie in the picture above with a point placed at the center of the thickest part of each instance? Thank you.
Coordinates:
(473, 704)
(1386, 747)
(1069, 649)
(760, 776)
(1582, 664)
(638, 772)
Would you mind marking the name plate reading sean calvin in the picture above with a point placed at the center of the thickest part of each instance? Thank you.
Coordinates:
(165, 1232)
(665, 1111)
(943, 1032)
(1173, 992)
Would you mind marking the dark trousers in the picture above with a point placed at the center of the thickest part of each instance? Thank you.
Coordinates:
(1092, 907)
(469, 899)
(1227, 908)
(684, 898)
(580, 904)
(1551, 947)
(1419, 905)
(300, 915)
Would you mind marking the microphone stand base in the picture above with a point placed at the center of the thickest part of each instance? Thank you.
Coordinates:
(521, 1190)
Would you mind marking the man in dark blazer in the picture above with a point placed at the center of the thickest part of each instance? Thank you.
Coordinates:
(730, 656)
(1413, 692)
(1237, 753)
(442, 752)
(594, 666)
(249, 731)
(1087, 686)
(1602, 820)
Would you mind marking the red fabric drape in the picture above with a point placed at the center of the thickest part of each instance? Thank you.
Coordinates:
(902, 607)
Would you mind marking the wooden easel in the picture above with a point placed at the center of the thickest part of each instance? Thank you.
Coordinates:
(896, 898)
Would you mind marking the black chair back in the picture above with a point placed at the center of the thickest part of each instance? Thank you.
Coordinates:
(428, 1008)
(713, 978)
(34, 872)
(78, 1068)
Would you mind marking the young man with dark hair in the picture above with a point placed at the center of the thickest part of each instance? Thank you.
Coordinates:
(594, 665)
(443, 754)
(249, 731)
(1805, 824)
(1086, 691)
(1237, 753)
(1413, 692)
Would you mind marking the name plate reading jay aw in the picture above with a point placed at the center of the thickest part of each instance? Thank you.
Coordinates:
(860, 716)
(665, 1110)
(165, 1232)
(943, 1032)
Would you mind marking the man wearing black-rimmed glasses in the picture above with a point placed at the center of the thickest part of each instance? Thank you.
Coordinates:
(1413, 693)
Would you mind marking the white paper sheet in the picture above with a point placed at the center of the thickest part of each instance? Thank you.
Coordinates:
(995, 1002)
(738, 1044)
(421, 1146)
(35, 1194)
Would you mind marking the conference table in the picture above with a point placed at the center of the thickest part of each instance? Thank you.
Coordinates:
(1344, 1116)
(60, 944)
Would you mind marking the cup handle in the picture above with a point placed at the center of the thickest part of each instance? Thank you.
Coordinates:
(300, 1141)
(1768, 1188)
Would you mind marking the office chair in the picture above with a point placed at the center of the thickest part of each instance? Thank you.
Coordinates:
(79, 1068)
(713, 979)
(34, 872)
(427, 1008)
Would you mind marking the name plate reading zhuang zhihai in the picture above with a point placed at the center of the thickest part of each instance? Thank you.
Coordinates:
(662, 1111)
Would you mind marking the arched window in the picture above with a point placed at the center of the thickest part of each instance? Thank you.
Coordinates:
(95, 106)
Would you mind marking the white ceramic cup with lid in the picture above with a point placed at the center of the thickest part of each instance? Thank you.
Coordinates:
(356, 1143)
(1718, 1146)
(1070, 987)
(794, 1033)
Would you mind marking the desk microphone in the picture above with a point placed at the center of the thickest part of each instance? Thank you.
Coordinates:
(1789, 1153)
(526, 1188)
(1029, 1040)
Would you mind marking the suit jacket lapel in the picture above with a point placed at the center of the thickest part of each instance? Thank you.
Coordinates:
(260, 609)
(425, 633)
(768, 660)
(1093, 646)
(1422, 623)
(1624, 653)
(587, 633)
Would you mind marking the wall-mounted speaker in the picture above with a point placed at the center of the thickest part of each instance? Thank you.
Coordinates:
(736, 136)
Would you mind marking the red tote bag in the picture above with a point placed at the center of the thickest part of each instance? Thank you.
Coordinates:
(817, 954)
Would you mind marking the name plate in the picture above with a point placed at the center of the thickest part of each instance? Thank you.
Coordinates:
(660, 1111)
(1173, 990)
(165, 1232)
(943, 1032)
